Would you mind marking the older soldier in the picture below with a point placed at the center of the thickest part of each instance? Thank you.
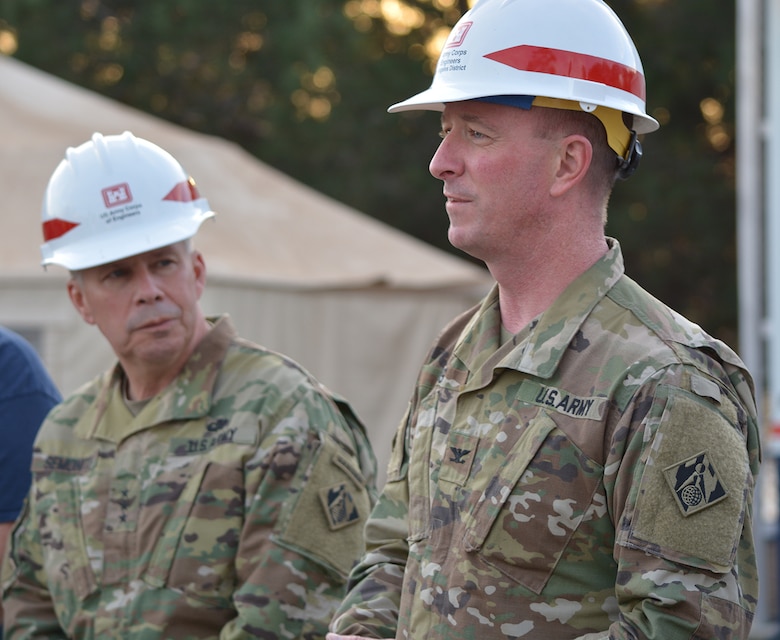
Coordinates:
(205, 486)
(578, 460)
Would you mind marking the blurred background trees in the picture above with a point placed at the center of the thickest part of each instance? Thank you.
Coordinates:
(304, 86)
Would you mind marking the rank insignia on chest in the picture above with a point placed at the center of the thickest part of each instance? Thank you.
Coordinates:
(458, 457)
(695, 483)
(339, 506)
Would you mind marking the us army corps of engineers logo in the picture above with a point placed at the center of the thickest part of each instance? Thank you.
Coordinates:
(339, 506)
(695, 483)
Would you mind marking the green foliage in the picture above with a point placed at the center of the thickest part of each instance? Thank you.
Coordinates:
(304, 85)
(676, 218)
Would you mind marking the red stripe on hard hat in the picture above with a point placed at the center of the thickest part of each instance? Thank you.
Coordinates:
(183, 192)
(572, 65)
(53, 229)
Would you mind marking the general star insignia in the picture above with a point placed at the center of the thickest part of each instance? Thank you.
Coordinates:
(695, 483)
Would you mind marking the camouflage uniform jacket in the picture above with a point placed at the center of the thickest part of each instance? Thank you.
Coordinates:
(594, 473)
(232, 506)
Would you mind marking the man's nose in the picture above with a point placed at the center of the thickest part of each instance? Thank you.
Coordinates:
(147, 287)
(445, 161)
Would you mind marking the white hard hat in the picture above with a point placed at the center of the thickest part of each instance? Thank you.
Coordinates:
(574, 50)
(116, 196)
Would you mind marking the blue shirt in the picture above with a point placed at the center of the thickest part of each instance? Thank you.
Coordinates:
(27, 393)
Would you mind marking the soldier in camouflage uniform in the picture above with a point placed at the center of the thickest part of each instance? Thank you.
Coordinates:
(205, 487)
(578, 460)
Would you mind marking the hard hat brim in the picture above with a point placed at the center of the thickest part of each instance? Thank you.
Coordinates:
(434, 99)
(85, 254)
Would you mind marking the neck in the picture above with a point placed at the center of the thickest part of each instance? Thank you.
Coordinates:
(147, 377)
(147, 384)
(529, 284)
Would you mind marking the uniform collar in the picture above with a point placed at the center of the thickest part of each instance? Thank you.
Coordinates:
(188, 396)
(550, 335)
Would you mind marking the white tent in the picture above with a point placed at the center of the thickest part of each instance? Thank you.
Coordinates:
(353, 300)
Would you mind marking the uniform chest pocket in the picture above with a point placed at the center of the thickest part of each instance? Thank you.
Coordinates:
(534, 501)
(59, 509)
(196, 549)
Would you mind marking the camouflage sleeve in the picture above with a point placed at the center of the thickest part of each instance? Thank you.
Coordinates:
(29, 612)
(681, 486)
(371, 607)
(333, 636)
(306, 505)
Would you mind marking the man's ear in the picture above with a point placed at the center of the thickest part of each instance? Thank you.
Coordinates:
(199, 268)
(77, 297)
(575, 156)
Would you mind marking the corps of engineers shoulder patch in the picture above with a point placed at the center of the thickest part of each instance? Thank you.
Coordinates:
(695, 483)
(339, 505)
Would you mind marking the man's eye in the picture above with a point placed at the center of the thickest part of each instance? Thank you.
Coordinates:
(443, 133)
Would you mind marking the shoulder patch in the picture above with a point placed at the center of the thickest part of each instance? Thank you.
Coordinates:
(695, 483)
(692, 488)
(339, 505)
(325, 513)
